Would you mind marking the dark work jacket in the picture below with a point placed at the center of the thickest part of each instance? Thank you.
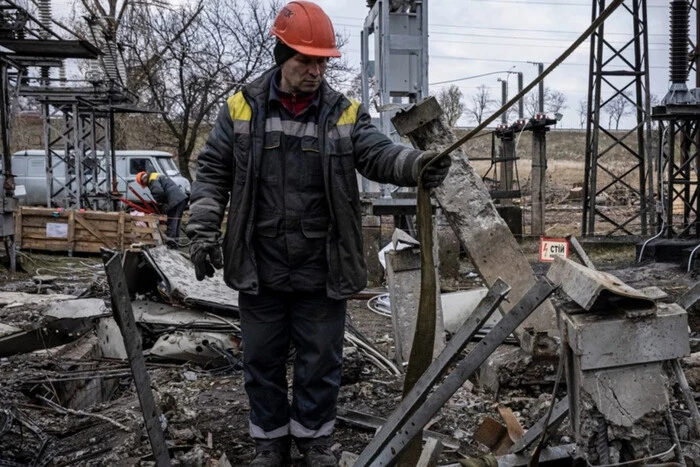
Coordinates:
(165, 192)
(228, 169)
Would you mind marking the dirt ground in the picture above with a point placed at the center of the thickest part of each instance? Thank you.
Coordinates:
(206, 409)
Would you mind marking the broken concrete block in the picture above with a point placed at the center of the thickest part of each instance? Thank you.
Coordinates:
(110, 339)
(617, 384)
(610, 339)
(590, 288)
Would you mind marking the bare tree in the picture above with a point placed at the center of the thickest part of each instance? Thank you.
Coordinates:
(184, 62)
(582, 111)
(479, 103)
(450, 100)
(617, 108)
(354, 91)
(554, 101)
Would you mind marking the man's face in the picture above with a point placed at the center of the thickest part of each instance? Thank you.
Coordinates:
(302, 73)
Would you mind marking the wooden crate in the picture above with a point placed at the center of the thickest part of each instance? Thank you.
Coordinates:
(83, 231)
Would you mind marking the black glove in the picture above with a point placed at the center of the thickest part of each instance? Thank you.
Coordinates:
(435, 173)
(205, 255)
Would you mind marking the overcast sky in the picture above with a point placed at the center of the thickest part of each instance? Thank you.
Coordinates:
(473, 37)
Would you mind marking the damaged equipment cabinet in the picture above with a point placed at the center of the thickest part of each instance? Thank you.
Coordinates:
(616, 340)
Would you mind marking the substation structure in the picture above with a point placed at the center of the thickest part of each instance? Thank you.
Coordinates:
(618, 75)
(77, 117)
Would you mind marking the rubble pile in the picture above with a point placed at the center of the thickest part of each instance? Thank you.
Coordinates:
(68, 396)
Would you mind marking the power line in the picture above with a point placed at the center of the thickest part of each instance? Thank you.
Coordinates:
(517, 38)
(443, 25)
(520, 2)
(472, 77)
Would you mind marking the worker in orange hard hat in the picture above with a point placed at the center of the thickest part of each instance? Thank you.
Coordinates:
(171, 199)
(282, 156)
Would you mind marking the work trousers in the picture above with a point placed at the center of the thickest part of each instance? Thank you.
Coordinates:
(314, 324)
(172, 229)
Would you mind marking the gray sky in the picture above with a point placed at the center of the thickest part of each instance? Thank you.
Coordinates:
(472, 37)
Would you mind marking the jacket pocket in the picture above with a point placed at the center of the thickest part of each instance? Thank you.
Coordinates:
(267, 228)
(315, 227)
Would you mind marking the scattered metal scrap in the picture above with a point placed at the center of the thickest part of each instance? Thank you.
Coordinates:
(416, 409)
(62, 320)
(180, 284)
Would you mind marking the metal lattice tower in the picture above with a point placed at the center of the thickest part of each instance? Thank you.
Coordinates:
(77, 142)
(679, 133)
(618, 76)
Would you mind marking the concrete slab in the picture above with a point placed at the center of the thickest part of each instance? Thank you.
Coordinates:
(79, 308)
(590, 288)
(605, 340)
(182, 285)
(13, 299)
(467, 205)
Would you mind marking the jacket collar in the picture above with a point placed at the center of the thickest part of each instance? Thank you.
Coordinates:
(259, 89)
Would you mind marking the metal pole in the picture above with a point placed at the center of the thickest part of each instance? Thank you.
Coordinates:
(540, 70)
(521, 107)
(504, 99)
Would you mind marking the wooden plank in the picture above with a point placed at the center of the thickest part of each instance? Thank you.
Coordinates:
(71, 231)
(18, 228)
(467, 205)
(34, 221)
(92, 229)
(78, 235)
(88, 231)
(120, 232)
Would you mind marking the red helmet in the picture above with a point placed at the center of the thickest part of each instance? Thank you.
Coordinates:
(140, 179)
(306, 28)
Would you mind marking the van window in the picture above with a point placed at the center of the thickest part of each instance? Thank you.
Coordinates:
(167, 166)
(140, 165)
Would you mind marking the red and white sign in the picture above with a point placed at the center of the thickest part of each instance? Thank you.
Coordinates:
(551, 247)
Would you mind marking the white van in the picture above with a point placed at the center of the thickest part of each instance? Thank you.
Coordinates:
(29, 168)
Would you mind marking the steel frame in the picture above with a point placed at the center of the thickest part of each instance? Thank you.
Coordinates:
(80, 137)
(631, 73)
(678, 161)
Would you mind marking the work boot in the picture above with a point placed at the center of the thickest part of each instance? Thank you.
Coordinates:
(320, 456)
(269, 459)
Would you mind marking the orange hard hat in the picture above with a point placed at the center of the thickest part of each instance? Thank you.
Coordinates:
(139, 179)
(306, 28)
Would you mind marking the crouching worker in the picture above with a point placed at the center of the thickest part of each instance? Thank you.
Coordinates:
(171, 199)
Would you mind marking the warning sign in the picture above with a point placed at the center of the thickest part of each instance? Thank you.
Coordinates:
(551, 247)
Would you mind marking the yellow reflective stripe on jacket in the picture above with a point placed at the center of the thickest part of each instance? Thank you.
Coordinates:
(349, 115)
(238, 107)
(153, 176)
